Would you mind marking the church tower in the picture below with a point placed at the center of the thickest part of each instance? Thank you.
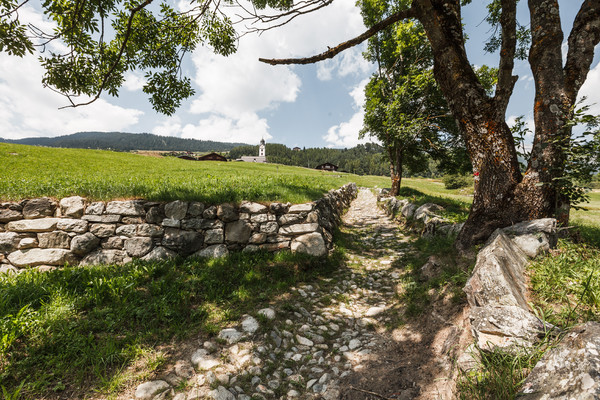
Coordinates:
(261, 148)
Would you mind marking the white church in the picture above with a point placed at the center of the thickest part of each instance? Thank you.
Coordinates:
(262, 155)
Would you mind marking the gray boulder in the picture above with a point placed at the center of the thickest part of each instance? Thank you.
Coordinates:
(96, 208)
(35, 257)
(126, 230)
(227, 212)
(214, 251)
(176, 209)
(106, 257)
(311, 243)
(298, 208)
(213, 236)
(28, 243)
(154, 215)
(148, 390)
(39, 208)
(36, 225)
(238, 232)
(252, 208)
(426, 210)
(9, 241)
(195, 209)
(56, 240)
(183, 242)
(83, 244)
(571, 370)
(7, 215)
(73, 206)
(408, 211)
(149, 230)
(103, 230)
(113, 242)
(298, 229)
(269, 227)
(130, 208)
(72, 225)
(138, 246)
(159, 254)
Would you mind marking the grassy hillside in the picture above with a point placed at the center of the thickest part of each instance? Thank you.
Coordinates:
(29, 171)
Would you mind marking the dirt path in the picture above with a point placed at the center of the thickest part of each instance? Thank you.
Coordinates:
(343, 337)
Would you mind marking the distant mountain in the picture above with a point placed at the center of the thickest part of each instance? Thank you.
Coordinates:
(122, 141)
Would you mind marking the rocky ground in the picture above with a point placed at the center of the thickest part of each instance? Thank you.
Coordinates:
(343, 337)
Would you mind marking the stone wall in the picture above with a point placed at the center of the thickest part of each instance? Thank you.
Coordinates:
(45, 233)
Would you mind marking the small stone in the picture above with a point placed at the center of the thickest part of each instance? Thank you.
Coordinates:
(149, 230)
(72, 225)
(126, 230)
(195, 209)
(73, 206)
(214, 251)
(203, 361)
(230, 335)
(83, 244)
(304, 341)
(54, 240)
(250, 324)
(176, 209)
(28, 243)
(221, 394)
(147, 391)
(310, 383)
(130, 208)
(213, 236)
(96, 208)
(267, 313)
(159, 254)
(102, 230)
(138, 246)
(354, 344)
(184, 369)
(293, 394)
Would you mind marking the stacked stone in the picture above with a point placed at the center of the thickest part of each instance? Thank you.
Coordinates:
(43, 233)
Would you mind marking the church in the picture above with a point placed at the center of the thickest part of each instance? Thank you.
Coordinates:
(262, 155)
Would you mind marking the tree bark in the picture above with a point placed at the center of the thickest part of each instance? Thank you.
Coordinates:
(395, 170)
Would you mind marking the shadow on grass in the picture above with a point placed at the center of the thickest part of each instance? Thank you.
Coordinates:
(588, 233)
(70, 331)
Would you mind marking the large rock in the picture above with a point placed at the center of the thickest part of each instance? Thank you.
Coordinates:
(213, 236)
(7, 215)
(195, 209)
(73, 206)
(105, 257)
(96, 208)
(103, 230)
(252, 208)
(227, 212)
(35, 257)
(149, 230)
(56, 240)
(159, 254)
(238, 232)
(176, 209)
(138, 246)
(72, 225)
(126, 230)
(292, 218)
(39, 208)
(130, 208)
(83, 244)
(183, 242)
(298, 229)
(9, 241)
(571, 370)
(148, 390)
(202, 360)
(298, 208)
(408, 211)
(498, 277)
(426, 210)
(36, 225)
(215, 251)
(221, 393)
(311, 243)
(533, 237)
(104, 219)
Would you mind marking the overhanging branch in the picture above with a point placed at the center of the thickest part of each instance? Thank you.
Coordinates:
(333, 51)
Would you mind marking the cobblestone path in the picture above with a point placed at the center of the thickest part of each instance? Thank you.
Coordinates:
(323, 341)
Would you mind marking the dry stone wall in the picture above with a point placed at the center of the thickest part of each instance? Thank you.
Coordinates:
(46, 233)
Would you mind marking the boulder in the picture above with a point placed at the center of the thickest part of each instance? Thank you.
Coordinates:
(176, 209)
(106, 257)
(278, 208)
(83, 244)
(35, 257)
(193, 224)
(103, 230)
(533, 244)
(7, 215)
(171, 223)
(259, 218)
(292, 218)
(298, 208)
(202, 360)
(221, 393)
(238, 232)
(159, 254)
(9, 241)
(214, 251)
(311, 243)
(210, 212)
(149, 230)
(39, 208)
(96, 208)
(56, 240)
(28, 243)
(298, 229)
(570, 370)
(269, 227)
(154, 215)
(104, 219)
(72, 225)
(195, 209)
(428, 209)
(138, 246)
(36, 225)
(408, 211)
(227, 212)
(252, 208)
(213, 236)
(258, 238)
(126, 230)
(113, 242)
(73, 206)
(183, 242)
(498, 277)
(130, 208)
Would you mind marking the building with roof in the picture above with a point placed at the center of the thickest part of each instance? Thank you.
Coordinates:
(262, 154)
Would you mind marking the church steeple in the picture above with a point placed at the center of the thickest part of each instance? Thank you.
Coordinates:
(261, 148)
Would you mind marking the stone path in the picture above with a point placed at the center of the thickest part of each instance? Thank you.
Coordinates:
(309, 345)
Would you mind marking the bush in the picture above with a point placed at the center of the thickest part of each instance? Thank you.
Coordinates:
(456, 181)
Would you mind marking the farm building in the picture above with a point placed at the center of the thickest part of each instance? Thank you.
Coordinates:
(327, 167)
(212, 157)
(296, 149)
(187, 157)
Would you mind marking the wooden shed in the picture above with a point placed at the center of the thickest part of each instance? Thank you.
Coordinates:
(212, 157)
(327, 167)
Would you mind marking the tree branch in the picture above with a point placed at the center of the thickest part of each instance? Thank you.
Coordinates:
(332, 52)
(506, 80)
(584, 36)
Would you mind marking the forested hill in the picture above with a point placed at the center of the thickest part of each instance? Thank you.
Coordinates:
(122, 141)
(368, 159)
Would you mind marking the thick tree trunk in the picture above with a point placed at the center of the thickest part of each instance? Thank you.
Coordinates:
(395, 170)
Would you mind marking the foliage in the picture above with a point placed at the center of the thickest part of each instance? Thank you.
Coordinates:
(367, 159)
(455, 181)
(82, 326)
(519, 131)
(121, 141)
(29, 171)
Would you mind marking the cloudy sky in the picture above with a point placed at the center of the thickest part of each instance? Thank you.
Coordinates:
(239, 99)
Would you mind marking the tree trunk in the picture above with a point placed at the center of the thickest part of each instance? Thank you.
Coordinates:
(395, 170)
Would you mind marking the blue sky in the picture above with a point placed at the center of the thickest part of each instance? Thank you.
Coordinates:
(239, 99)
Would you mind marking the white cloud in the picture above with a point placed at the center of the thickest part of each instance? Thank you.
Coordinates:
(29, 110)
(133, 81)
(349, 63)
(590, 90)
(345, 134)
